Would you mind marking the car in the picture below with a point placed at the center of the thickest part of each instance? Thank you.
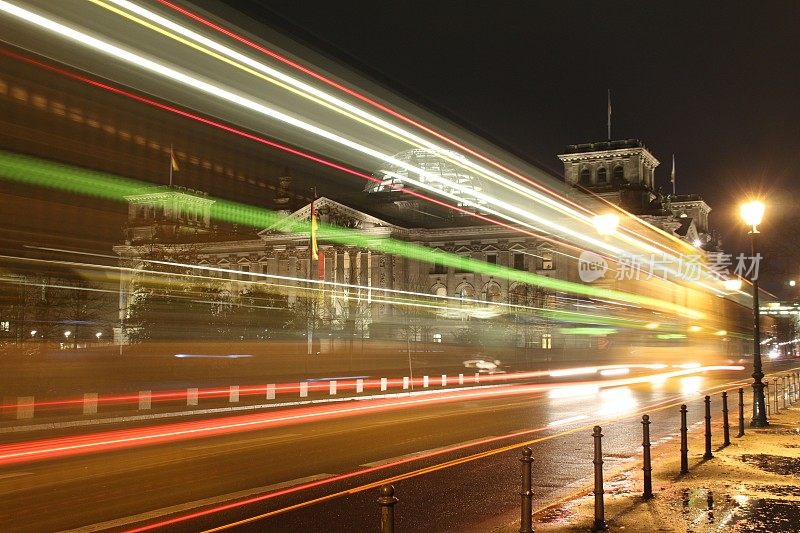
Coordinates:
(484, 366)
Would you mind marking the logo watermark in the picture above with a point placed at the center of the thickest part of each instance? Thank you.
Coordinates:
(591, 266)
(692, 267)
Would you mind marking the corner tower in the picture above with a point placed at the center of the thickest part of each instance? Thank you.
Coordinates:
(167, 214)
(621, 172)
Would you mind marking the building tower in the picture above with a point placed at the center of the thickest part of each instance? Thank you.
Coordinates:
(621, 172)
(167, 214)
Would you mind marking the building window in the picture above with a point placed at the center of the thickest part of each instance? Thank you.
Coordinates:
(586, 177)
(461, 269)
(5, 325)
(492, 293)
(519, 261)
(547, 341)
(491, 259)
(619, 173)
(465, 292)
(437, 337)
(441, 290)
(547, 261)
(602, 175)
(518, 295)
(438, 267)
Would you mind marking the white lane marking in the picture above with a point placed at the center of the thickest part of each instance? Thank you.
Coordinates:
(150, 515)
(15, 474)
(425, 452)
(243, 442)
(567, 420)
(155, 416)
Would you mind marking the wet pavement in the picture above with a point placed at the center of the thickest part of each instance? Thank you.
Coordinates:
(785, 466)
(751, 485)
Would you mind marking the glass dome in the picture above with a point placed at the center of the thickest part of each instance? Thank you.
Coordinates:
(431, 172)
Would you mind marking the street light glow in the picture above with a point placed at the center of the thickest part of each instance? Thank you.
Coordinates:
(606, 224)
(67, 333)
(733, 284)
(752, 212)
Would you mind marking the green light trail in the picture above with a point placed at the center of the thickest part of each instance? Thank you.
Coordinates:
(43, 173)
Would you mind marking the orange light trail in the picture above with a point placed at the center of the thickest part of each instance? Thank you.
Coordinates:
(60, 447)
(319, 384)
(662, 404)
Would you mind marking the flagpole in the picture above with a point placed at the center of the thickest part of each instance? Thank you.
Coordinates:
(170, 165)
(312, 302)
(312, 311)
(609, 114)
(672, 175)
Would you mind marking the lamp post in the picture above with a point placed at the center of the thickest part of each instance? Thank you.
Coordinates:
(752, 213)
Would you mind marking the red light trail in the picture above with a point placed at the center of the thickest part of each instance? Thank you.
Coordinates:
(118, 439)
(355, 94)
(278, 146)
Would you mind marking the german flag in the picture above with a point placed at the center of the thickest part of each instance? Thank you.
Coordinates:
(173, 163)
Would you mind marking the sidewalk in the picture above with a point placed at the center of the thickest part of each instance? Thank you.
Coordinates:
(751, 485)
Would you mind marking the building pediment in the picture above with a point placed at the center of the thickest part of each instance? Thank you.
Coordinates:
(329, 212)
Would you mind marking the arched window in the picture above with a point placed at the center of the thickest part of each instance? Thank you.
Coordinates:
(619, 173)
(602, 175)
(465, 291)
(518, 295)
(586, 177)
(440, 290)
(492, 292)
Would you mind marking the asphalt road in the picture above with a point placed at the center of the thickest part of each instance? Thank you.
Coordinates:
(121, 486)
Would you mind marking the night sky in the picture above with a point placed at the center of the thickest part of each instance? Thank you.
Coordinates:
(714, 84)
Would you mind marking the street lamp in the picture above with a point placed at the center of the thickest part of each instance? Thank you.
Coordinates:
(752, 212)
(67, 334)
(33, 333)
(98, 335)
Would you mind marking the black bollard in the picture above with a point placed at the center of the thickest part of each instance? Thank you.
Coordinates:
(741, 412)
(526, 517)
(766, 398)
(726, 428)
(775, 386)
(783, 391)
(708, 454)
(387, 502)
(599, 510)
(796, 392)
(646, 468)
(684, 442)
